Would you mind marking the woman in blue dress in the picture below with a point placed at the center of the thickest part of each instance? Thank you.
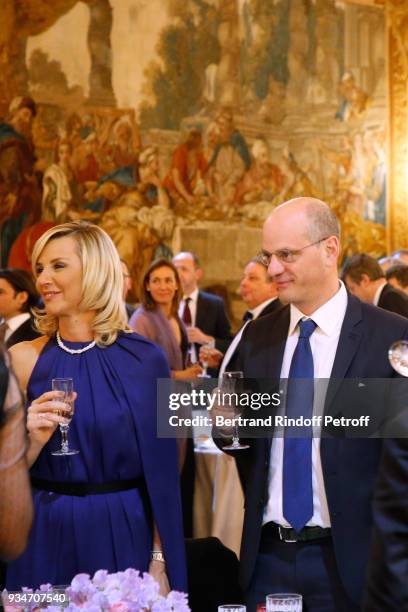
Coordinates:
(115, 504)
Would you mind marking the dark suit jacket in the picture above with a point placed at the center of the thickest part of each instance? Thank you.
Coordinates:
(212, 319)
(349, 465)
(393, 300)
(271, 307)
(388, 569)
(23, 333)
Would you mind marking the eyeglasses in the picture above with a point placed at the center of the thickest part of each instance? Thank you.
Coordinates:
(285, 255)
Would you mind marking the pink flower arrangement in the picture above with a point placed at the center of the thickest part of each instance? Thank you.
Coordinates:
(127, 591)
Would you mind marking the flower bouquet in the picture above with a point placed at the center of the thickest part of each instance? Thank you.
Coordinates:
(127, 591)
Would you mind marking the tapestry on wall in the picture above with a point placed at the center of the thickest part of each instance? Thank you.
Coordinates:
(147, 116)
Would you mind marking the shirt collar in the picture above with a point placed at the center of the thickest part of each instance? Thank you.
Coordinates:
(193, 296)
(377, 294)
(328, 317)
(255, 312)
(14, 322)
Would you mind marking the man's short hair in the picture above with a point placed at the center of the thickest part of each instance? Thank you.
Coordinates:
(322, 221)
(399, 272)
(21, 280)
(362, 264)
(258, 260)
(397, 254)
(194, 257)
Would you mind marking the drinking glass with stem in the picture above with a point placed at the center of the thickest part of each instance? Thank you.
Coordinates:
(231, 383)
(206, 346)
(66, 387)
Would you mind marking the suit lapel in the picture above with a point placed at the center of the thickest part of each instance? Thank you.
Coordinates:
(277, 339)
(200, 311)
(349, 341)
(277, 343)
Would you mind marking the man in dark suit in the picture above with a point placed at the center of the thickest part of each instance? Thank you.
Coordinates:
(203, 313)
(308, 517)
(258, 292)
(387, 587)
(365, 279)
(17, 296)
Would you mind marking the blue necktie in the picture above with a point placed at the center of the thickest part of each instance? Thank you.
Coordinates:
(297, 453)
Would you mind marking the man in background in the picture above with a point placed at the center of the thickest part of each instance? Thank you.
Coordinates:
(203, 313)
(397, 276)
(17, 296)
(400, 256)
(365, 279)
(258, 292)
(127, 286)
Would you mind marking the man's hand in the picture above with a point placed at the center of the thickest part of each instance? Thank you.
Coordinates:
(196, 336)
(212, 357)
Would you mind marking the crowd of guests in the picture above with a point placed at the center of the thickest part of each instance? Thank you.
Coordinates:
(325, 517)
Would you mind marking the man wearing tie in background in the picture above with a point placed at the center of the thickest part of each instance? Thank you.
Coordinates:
(308, 511)
(203, 313)
(258, 292)
(17, 296)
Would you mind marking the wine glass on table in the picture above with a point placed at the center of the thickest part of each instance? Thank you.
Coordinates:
(66, 387)
(231, 384)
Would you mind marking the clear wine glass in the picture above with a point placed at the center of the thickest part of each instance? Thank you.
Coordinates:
(208, 346)
(230, 384)
(67, 386)
(232, 608)
(284, 602)
(398, 356)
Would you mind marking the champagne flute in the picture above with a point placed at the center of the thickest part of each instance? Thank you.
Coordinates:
(208, 346)
(230, 384)
(66, 385)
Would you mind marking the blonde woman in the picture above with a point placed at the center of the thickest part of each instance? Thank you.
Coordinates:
(115, 504)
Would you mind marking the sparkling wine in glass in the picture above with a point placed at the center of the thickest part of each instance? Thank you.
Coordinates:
(284, 602)
(231, 384)
(207, 346)
(66, 385)
(398, 356)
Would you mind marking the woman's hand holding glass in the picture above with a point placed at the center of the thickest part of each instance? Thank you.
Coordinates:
(44, 415)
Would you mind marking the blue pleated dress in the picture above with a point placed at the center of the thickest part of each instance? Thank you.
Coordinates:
(114, 428)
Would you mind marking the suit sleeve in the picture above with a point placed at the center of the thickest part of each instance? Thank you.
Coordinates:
(222, 333)
(387, 583)
(394, 302)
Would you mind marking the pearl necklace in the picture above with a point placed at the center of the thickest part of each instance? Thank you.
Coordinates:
(74, 351)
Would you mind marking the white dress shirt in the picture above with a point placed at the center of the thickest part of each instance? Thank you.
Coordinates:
(323, 342)
(255, 312)
(14, 322)
(232, 347)
(193, 310)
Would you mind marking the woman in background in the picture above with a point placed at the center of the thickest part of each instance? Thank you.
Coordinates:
(116, 503)
(157, 317)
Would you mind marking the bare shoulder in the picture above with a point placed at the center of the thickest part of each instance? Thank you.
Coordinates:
(24, 356)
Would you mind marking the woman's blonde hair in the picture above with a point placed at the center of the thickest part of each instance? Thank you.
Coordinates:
(102, 280)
